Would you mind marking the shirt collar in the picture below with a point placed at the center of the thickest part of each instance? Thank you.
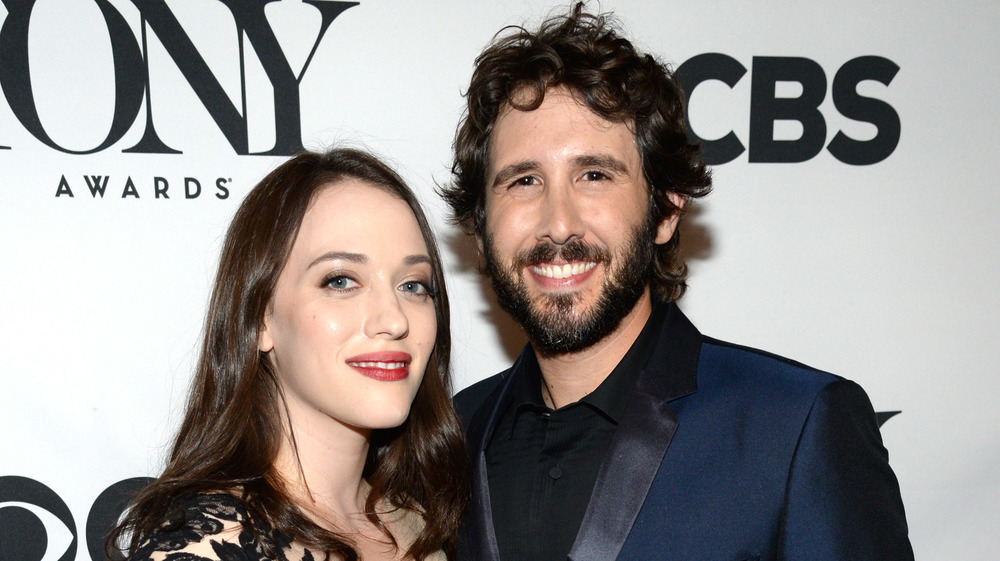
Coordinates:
(611, 397)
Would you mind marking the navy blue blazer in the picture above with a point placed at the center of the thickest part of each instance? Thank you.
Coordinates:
(724, 453)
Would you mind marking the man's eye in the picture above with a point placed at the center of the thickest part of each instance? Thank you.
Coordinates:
(595, 176)
(523, 181)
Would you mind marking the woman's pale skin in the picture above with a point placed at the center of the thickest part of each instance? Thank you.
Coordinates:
(349, 332)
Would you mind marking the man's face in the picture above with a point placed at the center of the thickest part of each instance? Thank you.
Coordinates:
(568, 242)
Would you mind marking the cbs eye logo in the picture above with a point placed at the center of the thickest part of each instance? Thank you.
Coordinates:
(36, 524)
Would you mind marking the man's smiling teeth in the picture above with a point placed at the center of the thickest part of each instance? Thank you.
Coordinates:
(382, 365)
(562, 271)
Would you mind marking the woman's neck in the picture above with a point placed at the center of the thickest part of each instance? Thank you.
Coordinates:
(323, 465)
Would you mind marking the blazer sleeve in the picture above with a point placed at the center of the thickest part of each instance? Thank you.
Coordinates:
(843, 500)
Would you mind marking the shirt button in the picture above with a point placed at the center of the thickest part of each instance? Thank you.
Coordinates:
(556, 472)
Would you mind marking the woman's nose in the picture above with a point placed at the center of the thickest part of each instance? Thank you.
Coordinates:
(386, 317)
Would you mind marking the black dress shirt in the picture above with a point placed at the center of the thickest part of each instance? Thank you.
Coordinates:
(543, 463)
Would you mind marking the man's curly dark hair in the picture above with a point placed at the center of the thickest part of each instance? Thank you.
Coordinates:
(587, 55)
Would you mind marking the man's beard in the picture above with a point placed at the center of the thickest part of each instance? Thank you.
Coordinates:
(550, 321)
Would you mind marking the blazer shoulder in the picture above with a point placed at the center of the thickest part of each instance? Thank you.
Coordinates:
(752, 353)
(472, 398)
(727, 368)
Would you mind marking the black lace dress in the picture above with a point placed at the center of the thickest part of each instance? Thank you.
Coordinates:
(216, 528)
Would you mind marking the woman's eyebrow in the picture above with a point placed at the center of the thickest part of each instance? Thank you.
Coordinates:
(339, 255)
(417, 259)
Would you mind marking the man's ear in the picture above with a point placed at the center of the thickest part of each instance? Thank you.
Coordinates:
(668, 225)
(264, 341)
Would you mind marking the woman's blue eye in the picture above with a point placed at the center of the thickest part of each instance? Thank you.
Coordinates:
(415, 287)
(340, 282)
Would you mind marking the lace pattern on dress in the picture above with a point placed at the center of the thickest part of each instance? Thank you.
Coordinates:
(215, 527)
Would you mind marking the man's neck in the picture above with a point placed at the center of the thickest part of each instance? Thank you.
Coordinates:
(568, 378)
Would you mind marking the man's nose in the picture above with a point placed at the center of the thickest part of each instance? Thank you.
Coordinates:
(561, 219)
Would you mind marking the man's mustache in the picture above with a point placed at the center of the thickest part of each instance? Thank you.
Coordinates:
(574, 250)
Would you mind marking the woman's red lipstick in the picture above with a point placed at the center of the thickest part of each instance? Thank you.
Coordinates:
(386, 366)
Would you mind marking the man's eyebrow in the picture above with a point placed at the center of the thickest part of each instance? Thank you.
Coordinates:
(339, 255)
(602, 161)
(511, 171)
(607, 162)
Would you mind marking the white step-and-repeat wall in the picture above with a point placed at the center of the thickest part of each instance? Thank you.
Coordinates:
(131, 130)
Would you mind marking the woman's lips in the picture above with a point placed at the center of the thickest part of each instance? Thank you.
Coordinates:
(387, 366)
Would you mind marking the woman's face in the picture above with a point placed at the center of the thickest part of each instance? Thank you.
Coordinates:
(352, 324)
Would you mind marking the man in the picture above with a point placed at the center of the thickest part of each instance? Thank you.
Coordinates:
(621, 431)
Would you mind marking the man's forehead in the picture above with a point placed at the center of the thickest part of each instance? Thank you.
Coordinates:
(544, 122)
(528, 99)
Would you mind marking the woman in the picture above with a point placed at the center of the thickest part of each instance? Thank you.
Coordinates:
(319, 423)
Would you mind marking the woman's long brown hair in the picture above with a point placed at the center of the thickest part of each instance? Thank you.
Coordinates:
(233, 428)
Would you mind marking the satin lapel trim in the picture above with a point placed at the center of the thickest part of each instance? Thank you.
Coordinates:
(483, 539)
(483, 536)
(625, 476)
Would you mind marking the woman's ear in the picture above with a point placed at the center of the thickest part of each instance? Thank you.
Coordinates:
(668, 225)
(264, 341)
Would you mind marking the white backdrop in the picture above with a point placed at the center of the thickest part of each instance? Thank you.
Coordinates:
(883, 273)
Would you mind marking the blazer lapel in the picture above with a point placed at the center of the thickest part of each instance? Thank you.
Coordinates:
(640, 441)
(480, 537)
(631, 463)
